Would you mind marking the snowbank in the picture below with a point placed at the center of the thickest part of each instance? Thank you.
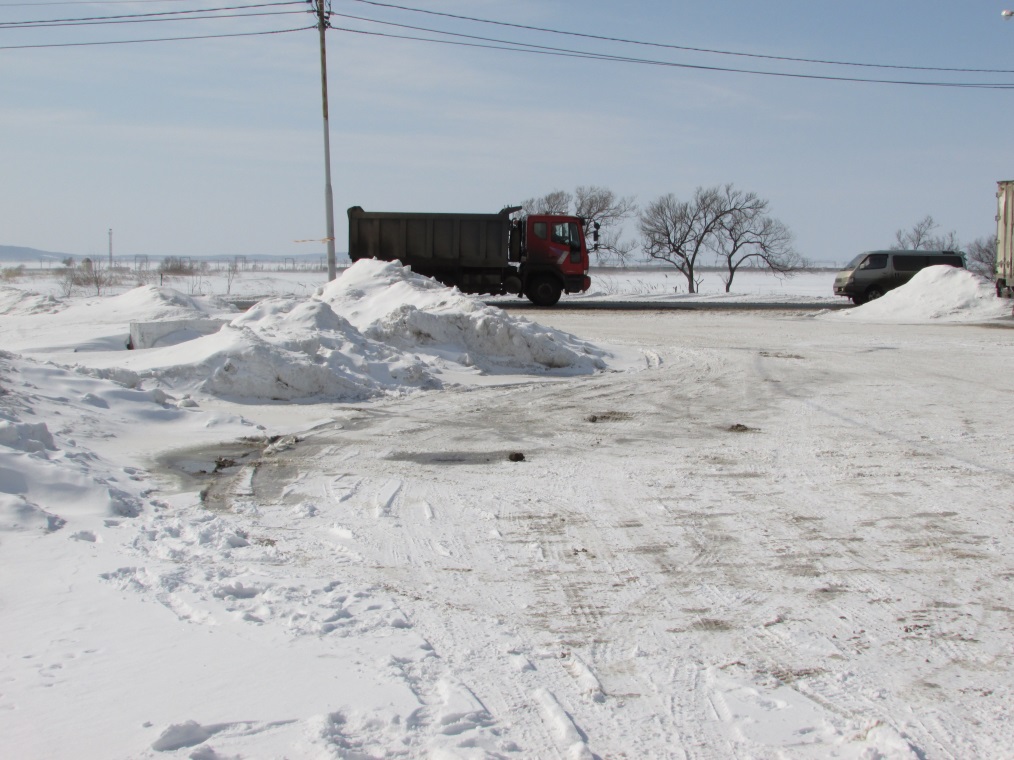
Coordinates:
(940, 293)
(392, 305)
(378, 329)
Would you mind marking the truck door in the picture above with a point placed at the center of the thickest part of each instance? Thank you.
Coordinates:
(565, 241)
(553, 242)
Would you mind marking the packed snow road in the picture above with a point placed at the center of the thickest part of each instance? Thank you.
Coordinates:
(782, 536)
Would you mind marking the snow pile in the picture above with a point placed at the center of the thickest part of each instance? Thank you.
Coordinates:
(938, 293)
(148, 302)
(284, 349)
(379, 329)
(392, 305)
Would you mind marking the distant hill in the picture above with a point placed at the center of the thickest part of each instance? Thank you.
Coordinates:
(19, 253)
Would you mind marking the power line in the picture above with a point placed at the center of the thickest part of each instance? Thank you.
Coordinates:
(142, 16)
(490, 43)
(156, 39)
(522, 47)
(58, 24)
(679, 47)
(90, 2)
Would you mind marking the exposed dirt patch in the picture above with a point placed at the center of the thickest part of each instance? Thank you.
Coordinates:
(609, 417)
(456, 457)
(711, 624)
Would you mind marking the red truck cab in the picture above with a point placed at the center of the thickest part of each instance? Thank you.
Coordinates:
(553, 257)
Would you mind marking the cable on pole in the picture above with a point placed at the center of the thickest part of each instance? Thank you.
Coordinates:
(155, 39)
(523, 47)
(604, 38)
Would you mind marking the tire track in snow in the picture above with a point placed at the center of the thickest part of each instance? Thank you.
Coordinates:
(854, 582)
(680, 614)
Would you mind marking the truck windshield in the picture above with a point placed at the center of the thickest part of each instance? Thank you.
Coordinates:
(566, 233)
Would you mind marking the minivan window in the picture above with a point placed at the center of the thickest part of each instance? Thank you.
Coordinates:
(875, 261)
(909, 263)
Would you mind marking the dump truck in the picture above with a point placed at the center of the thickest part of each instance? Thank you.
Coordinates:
(538, 256)
(1005, 238)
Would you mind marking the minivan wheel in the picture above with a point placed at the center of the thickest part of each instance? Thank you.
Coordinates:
(874, 293)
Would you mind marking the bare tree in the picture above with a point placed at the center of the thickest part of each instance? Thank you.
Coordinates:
(915, 238)
(982, 256)
(12, 274)
(678, 232)
(595, 205)
(921, 238)
(747, 234)
(90, 274)
(230, 274)
(599, 205)
(557, 203)
(68, 280)
(177, 265)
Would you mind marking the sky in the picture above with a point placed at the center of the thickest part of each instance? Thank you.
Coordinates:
(214, 147)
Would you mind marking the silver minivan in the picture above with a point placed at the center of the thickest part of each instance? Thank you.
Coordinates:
(869, 275)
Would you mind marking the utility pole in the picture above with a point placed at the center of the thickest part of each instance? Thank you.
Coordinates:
(110, 249)
(323, 22)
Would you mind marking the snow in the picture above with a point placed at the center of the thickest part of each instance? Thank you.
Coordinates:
(379, 329)
(766, 534)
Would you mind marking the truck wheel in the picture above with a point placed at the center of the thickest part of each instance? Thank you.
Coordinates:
(543, 291)
(874, 292)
